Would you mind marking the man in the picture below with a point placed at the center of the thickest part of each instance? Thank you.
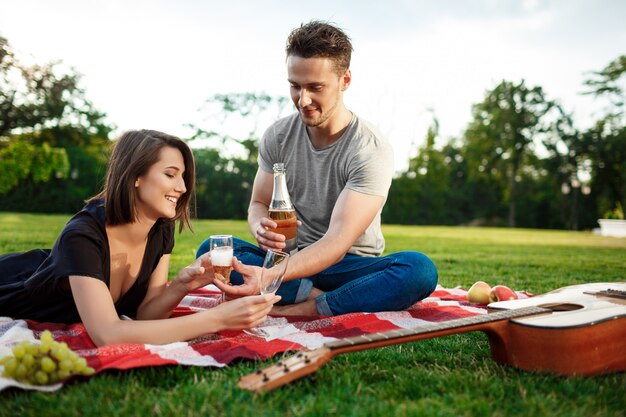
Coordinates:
(338, 169)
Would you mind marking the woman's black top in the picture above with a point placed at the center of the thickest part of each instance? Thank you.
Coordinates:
(30, 282)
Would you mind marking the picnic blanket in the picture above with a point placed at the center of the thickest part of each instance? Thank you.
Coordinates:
(217, 350)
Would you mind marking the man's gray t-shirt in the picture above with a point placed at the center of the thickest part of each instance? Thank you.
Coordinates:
(361, 160)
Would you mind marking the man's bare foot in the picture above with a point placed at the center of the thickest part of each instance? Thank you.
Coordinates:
(305, 308)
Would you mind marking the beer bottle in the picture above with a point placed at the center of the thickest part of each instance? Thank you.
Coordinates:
(282, 211)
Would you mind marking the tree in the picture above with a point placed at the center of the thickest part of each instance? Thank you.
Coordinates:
(606, 141)
(53, 143)
(239, 111)
(606, 147)
(40, 96)
(223, 185)
(19, 160)
(421, 194)
(610, 83)
(500, 140)
(224, 180)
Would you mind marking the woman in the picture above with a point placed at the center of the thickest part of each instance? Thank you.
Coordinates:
(112, 258)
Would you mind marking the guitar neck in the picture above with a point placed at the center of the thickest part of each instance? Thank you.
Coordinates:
(391, 337)
(304, 363)
(538, 355)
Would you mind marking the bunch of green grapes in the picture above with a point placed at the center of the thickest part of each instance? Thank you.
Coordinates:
(44, 363)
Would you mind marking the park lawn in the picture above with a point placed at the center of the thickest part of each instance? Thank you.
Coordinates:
(448, 376)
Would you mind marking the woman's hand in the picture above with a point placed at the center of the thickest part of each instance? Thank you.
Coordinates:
(245, 312)
(197, 275)
(251, 280)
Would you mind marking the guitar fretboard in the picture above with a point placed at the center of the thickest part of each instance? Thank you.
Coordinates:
(609, 293)
(435, 327)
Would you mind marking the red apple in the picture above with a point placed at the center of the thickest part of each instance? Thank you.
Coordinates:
(501, 293)
(479, 293)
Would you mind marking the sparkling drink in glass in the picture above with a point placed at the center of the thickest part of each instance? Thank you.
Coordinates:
(221, 250)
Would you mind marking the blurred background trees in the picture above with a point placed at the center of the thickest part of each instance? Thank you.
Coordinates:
(521, 162)
(605, 143)
(53, 143)
(226, 163)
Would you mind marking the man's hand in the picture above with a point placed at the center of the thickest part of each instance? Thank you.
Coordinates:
(251, 281)
(260, 225)
(266, 238)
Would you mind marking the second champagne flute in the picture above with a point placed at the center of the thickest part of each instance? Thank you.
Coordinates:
(272, 274)
(274, 268)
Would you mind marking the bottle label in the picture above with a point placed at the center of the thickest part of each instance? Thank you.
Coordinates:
(287, 226)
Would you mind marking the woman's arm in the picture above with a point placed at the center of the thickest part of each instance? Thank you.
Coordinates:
(97, 311)
(161, 299)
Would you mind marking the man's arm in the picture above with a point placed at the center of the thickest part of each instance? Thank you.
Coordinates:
(352, 214)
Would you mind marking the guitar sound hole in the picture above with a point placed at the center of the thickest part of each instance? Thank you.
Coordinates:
(561, 306)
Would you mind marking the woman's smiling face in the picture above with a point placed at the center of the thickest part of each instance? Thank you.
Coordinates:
(160, 188)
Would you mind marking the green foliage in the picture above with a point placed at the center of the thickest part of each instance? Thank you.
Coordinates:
(224, 181)
(20, 160)
(15, 162)
(519, 162)
(53, 143)
(421, 194)
(605, 143)
(447, 376)
(39, 96)
(244, 111)
(606, 149)
(223, 185)
(84, 161)
(616, 214)
(609, 82)
(521, 159)
(500, 139)
(48, 161)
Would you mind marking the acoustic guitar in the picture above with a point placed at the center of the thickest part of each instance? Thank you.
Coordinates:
(575, 330)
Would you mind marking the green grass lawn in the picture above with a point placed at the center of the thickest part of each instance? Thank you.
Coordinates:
(448, 376)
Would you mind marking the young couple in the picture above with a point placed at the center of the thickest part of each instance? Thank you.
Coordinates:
(112, 258)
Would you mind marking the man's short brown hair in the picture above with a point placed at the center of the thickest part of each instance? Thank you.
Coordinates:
(318, 39)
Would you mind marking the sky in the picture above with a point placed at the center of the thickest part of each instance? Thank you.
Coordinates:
(153, 64)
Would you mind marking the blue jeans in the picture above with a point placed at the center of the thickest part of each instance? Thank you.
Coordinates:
(354, 284)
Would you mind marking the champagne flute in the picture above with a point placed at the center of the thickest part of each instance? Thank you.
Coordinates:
(272, 274)
(221, 250)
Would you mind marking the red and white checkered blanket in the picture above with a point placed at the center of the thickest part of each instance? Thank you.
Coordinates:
(294, 333)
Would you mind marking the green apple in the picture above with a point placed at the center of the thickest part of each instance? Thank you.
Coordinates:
(479, 293)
